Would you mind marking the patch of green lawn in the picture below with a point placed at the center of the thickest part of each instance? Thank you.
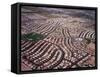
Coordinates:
(32, 36)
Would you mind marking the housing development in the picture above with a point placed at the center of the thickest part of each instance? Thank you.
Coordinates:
(57, 38)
